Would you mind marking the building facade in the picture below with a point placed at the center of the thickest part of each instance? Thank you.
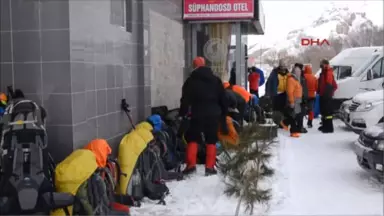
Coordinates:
(79, 58)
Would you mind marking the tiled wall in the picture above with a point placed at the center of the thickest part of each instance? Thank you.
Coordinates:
(66, 55)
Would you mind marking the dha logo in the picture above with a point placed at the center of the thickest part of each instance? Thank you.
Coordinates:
(314, 42)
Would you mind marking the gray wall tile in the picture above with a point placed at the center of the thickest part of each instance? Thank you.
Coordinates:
(5, 16)
(101, 99)
(110, 76)
(5, 44)
(79, 106)
(54, 14)
(56, 77)
(59, 108)
(25, 15)
(131, 95)
(55, 45)
(101, 76)
(91, 104)
(28, 77)
(83, 133)
(6, 76)
(26, 46)
(89, 70)
(111, 100)
(78, 76)
(60, 141)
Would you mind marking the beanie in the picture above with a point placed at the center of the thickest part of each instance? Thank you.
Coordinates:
(198, 62)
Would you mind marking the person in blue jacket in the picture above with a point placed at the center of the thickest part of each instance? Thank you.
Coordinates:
(262, 78)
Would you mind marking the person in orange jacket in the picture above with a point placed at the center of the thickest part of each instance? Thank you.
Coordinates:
(294, 95)
(312, 88)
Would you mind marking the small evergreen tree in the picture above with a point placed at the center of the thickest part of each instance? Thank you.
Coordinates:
(248, 167)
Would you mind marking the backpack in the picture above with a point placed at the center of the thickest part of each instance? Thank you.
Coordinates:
(25, 164)
(147, 178)
(171, 147)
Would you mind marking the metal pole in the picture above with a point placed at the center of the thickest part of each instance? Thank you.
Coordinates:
(238, 53)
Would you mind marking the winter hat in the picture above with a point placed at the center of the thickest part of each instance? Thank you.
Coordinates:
(282, 63)
(299, 65)
(308, 69)
(324, 62)
(198, 62)
(156, 122)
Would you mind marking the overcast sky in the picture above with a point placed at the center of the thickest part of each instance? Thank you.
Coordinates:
(282, 16)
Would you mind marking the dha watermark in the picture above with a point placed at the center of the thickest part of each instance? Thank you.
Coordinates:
(216, 50)
(314, 42)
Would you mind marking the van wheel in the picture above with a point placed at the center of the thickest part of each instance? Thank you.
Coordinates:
(381, 120)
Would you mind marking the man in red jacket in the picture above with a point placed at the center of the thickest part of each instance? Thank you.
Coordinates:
(254, 79)
(326, 88)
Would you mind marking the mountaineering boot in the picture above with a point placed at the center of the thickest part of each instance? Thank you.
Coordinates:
(210, 160)
(309, 124)
(210, 171)
(295, 135)
(283, 126)
(191, 158)
(303, 130)
(328, 125)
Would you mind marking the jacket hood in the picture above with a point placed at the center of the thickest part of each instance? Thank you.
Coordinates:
(101, 149)
(307, 69)
(202, 73)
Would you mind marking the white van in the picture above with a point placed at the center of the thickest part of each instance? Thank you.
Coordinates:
(350, 60)
(368, 77)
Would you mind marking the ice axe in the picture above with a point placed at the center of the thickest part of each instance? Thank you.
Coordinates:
(127, 110)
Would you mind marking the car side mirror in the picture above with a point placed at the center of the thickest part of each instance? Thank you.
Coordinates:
(369, 74)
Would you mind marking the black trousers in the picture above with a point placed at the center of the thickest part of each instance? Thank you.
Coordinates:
(203, 130)
(280, 102)
(254, 92)
(292, 121)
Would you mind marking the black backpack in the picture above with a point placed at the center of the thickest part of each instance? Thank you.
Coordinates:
(172, 148)
(26, 166)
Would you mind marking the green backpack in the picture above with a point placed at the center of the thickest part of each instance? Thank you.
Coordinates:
(92, 198)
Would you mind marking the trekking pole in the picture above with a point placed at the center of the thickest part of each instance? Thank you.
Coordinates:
(125, 107)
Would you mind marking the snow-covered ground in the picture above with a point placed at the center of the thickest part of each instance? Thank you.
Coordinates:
(316, 174)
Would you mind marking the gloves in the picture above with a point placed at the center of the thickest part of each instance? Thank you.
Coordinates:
(223, 126)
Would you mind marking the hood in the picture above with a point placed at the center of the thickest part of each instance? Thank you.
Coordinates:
(376, 131)
(202, 73)
(307, 69)
(101, 149)
(369, 97)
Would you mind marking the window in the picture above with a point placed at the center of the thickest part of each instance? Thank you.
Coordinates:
(121, 14)
(377, 70)
(363, 68)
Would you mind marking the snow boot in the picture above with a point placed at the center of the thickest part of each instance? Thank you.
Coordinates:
(328, 125)
(295, 135)
(309, 124)
(210, 160)
(210, 171)
(191, 158)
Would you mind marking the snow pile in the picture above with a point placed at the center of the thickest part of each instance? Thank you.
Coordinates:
(375, 131)
(316, 174)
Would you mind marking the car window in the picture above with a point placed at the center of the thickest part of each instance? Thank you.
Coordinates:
(377, 70)
(363, 68)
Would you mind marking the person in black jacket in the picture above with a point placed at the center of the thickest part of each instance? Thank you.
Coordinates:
(236, 106)
(204, 101)
(232, 75)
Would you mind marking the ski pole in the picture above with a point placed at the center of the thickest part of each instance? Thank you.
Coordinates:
(125, 107)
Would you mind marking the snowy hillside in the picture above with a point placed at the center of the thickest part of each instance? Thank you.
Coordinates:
(342, 26)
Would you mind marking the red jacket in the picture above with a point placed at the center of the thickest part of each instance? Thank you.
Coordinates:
(327, 84)
(253, 79)
(311, 81)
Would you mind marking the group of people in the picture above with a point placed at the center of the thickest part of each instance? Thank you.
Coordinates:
(207, 101)
(293, 94)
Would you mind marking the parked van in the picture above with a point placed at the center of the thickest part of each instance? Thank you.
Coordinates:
(369, 76)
